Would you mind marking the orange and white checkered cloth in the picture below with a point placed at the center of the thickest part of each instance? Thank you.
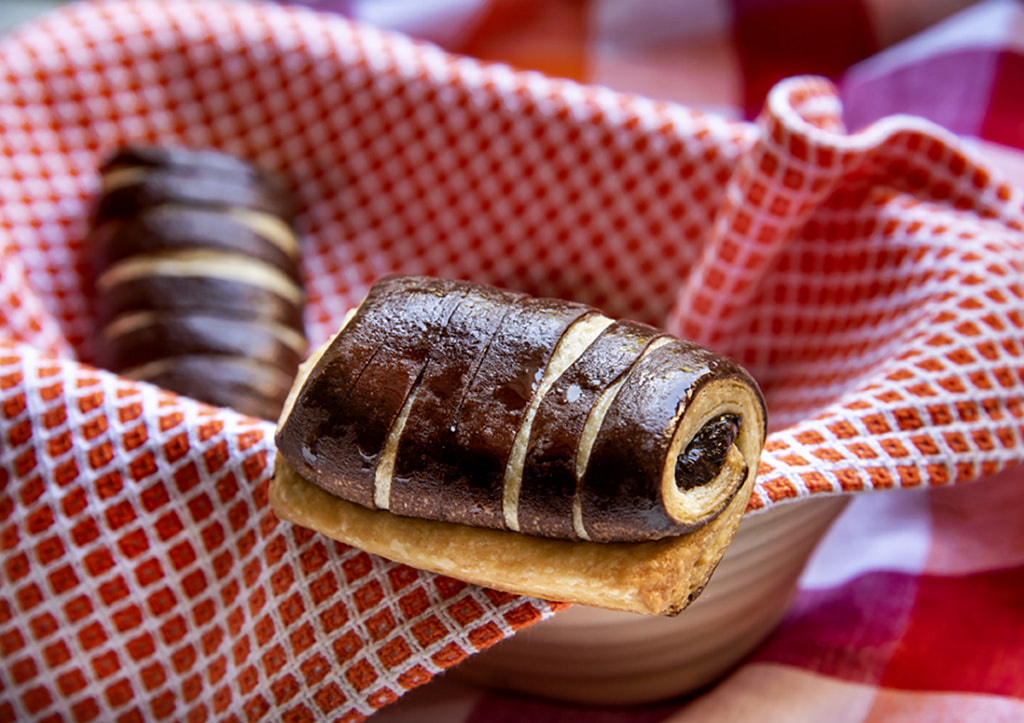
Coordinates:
(871, 281)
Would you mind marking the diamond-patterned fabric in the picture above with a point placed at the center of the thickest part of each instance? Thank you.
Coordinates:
(871, 282)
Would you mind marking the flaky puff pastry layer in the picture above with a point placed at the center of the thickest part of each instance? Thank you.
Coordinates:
(660, 577)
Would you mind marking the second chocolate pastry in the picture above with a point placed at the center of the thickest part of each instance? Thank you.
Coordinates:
(197, 272)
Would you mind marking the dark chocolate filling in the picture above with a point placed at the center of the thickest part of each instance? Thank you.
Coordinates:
(705, 455)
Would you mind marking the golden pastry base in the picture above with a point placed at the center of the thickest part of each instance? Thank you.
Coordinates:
(659, 578)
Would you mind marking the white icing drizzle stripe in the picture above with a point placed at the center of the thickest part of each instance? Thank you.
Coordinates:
(207, 264)
(269, 227)
(134, 320)
(385, 469)
(149, 370)
(574, 342)
(589, 434)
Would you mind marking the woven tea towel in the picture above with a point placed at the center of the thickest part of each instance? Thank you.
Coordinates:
(871, 282)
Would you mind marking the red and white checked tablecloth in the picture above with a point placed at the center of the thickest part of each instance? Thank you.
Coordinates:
(871, 279)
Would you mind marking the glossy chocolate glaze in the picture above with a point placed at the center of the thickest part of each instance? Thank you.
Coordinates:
(549, 472)
(229, 298)
(171, 228)
(495, 404)
(358, 387)
(236, 382)
(172, 335)
(162, 185)
(620, 492)
(427, 454)
(468, 361)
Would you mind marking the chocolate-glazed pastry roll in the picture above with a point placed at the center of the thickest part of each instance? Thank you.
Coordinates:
(534, 445)
(199, 288)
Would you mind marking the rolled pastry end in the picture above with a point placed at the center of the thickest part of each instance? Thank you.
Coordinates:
(715, 450)
(197, 270)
